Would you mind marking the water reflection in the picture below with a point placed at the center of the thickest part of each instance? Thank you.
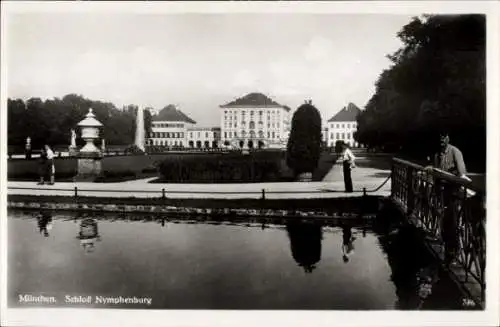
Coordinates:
(419, 282)
(347, 242)
(44, 222)
(305, 244)
(197, 277)
(88, 234)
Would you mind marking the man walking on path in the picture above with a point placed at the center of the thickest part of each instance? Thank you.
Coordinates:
(348, 163)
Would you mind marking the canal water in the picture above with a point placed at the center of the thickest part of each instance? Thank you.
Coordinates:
(65, 259)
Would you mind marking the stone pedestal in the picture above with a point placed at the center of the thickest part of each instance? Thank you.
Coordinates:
(89, 166)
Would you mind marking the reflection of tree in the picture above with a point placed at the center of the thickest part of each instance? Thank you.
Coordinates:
(408, 258)
(305, 244)
(44, 221)
(88, 234)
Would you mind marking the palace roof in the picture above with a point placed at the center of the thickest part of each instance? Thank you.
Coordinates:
(254, 100)
(171, 113)
(348, 113)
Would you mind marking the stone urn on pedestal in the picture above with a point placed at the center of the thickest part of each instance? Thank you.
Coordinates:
(89, 156)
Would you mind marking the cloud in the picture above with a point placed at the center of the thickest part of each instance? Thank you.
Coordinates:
(318, 49)
(200, 61)
(245, 79)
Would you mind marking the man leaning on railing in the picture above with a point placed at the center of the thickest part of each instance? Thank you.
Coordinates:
(448, 159)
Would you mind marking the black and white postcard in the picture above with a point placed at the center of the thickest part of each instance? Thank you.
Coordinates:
(249, 163)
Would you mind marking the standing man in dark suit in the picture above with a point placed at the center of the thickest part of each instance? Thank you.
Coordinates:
(449, 159)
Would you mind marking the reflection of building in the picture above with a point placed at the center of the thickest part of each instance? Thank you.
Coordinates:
(203, 137)
(255, 121)
(343, 125)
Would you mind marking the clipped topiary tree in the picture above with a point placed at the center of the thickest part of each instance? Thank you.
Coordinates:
(134, 150)
(304, 142)
(338, 147)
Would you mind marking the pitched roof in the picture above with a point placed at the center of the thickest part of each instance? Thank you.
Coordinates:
(171, 113)
(253, 100)
(348, 113)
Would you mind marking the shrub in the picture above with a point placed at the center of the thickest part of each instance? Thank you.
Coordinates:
(115, 176)
(221, 168)
(304, 143)
(149, 169)
(133, 149)
(338, 146)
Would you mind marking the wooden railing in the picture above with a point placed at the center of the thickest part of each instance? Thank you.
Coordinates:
(452, 213)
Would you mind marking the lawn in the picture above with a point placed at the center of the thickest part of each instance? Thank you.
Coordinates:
(259, 166)
(265, 166)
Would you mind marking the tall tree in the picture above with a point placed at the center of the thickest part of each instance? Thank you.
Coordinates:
(304, 142)
(436, 82)
(51, 121)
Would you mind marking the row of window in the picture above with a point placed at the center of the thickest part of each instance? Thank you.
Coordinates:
(167, 125)
(180, 135)
(226, 118)
(191, 144)
(349, 125)
(207, 135)
(251, 134)
(341, 136)
(251, 125)
(166, 143)
(173, 135)
(243, 112)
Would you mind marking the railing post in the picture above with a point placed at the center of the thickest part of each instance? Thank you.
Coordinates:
(410, 196)
(76, 196)
(163, 194)
(263, 194)
(393, 181)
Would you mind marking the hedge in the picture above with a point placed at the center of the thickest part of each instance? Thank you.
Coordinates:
(254, 167)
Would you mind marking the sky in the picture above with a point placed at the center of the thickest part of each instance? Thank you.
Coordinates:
(200, 61)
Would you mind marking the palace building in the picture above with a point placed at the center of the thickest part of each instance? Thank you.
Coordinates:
(172, 128)
(203, 137)
(343, 125)
(254, 121)
(169, 128)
